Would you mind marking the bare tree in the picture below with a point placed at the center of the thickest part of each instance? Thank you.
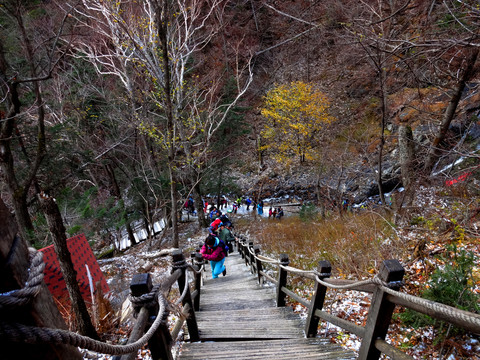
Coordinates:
(41, 62)
(155, 45)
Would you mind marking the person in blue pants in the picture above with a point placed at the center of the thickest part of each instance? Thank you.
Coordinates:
(215, 253)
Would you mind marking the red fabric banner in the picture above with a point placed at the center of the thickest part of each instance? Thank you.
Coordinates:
(82, 255)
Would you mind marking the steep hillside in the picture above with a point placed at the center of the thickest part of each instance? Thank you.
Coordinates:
(374, 92)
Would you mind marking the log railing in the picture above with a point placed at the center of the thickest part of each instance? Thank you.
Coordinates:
(149, 302)
(385, 296)
(141, 286)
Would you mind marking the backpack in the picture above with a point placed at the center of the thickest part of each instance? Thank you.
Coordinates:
(223, 246)
(224, 219)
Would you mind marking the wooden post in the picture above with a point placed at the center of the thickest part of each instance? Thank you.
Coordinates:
(258, 263)
(251, 258)
(177, 257)
(42, 311)
(324, 269)
(381, 310)
(160, 343)
(241, 248)
(282, 280)
(198, 262)
(247, 253)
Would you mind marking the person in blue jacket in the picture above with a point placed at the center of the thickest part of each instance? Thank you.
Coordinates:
(260, 208)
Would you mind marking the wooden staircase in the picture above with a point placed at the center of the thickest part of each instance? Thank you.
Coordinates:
(238, 319)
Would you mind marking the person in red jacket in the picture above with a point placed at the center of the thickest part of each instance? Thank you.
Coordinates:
(213, 252)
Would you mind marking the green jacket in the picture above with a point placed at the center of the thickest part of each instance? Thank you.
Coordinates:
(226, 235)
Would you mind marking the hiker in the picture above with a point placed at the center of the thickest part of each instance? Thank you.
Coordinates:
(215, 253)
(190, 205)
(280, 213)
(224, 203)
(260, 208)
(224, 218)
(213, 212)
(225, 234)
(234, 207)
(270, 212)
(215, 225)
(248, 202)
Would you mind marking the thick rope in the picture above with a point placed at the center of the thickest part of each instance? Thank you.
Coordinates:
(473, 319)
(35, 335)
(184, 292)
(267, 259)
(196, 272)
(347, 286)
(148, 300)
(263, 258)
(437, 307)
(297, 271)
(21, 297)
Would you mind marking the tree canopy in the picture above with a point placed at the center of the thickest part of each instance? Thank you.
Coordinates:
(295, 116)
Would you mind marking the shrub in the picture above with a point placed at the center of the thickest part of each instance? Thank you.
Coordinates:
(308, 212)
(450, 284)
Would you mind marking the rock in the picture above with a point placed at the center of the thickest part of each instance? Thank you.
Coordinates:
(126, 310)
(148, 266)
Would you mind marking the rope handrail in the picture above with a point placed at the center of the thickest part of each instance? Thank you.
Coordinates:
(297, 271)
(196, 272)
(23, 296)
(35, 335)
(262, 258)
(353, 285)
(17, 332)
(471, 318)
(184, 292)
(389, 288)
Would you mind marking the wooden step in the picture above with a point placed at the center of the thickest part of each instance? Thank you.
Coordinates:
(265, 350)
(238, 319)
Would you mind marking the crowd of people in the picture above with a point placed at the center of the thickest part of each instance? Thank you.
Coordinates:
(220, 240)
(275, 213)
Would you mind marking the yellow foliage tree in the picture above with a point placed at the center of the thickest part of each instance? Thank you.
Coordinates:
(296, 114)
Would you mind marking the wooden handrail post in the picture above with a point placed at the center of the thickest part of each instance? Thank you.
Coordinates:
(381, 310)
(258, 263)
(282, 280)
(251, 258)
(160, 343)
(178, 261)
(247, 253)
(198, 262)
(324, 270)
(242, 246)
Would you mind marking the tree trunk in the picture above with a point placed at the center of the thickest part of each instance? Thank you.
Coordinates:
(57, 230)
(450, 112)
(8, 91)
(320, 198)
(162, 23)
(382, 134)
(42, 312)
(197, 196)
(118, 195)
(406, 156)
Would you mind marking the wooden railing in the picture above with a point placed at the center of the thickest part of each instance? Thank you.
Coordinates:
(384, 299)
(160, 344)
